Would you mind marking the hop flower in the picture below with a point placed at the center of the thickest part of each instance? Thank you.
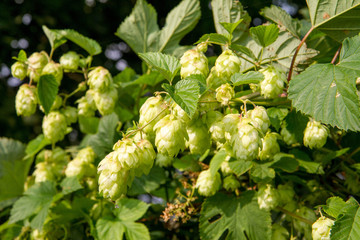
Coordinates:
(315, 134)
(26, 100)
(82, 164)
(245, 141)
(36, 63)
(207, 184)
(207, 102)
(193, 62)
(273, 83)
(19, 70)
(170, 136)
(154, 106)
(214, 80)
(55, 160)
(230, 122)
(267, 197)
(147, 156)
(54, 126)
(179, 113)
(54, 69)
(75, 168)
(70, 61)
(224, 94)
(100, 79)
(163, 160)
(86, 155)
(126, 152)
(270, 146)
(321, 228)
(216, 126)
(43, 173)
(225, 167)
(199, 137)
(70, 114)
(259, 118)
(288, 137)
(105, 101)
(86, 104)
(231, 183)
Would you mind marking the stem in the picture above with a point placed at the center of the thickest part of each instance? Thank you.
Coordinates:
(51, 53)
(295, 215)
(69, 95)
(252, 62)
(296, 53)
(353, 153)
(336, 55)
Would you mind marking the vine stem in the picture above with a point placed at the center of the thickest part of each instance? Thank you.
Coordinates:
(336, 55)
(296, 53)
(295, 215)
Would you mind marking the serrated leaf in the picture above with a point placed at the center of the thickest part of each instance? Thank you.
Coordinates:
(230, 27)
(276, 116)
(338, 19)
(167, 65)
(240, 217)
(296, 123)
(130, 209)
(246, 78)
(244, 50)
(88, 44)
(140, 29)
(35, 145)
(200, 79)
(110, 228)
(285, 162)
(135, 231)
(216, 161)
(334, 206)
(70, 184)
(22, 56)
(282, 18)
(239, 167)
(55, 38)
(213, 38)
(264, 35)
(179, 22)
(185, 94)
(148, 183)
(262, 172)
(47, 90)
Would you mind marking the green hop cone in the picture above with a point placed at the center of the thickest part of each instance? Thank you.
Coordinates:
(267, 197)
(288, 137)
(224, 94)
(231, 183)
(225, 167)
(100, 79)
(230, 123)
(147, 156)
(26, 100)
(54, 69)
(270, 146)
(279, 232)
(199, 137)
(127, 153)
(207, 184)
(214, 80)
(163, 160)
(315, 134)
(321, 228)
(273, 83)
(170, 136)
(245, 141)
(86, 155)
(105, 101)
(151, 112)
(43, 173)
(36, 63)
(207, 102)
(54, 126)
(82, 165)
(70, 114)
(56, 160)
(70, 61)
(86, 104)
(19, 70)
(259, 118)
(216, 126)
(193, 62)
(179, 113)
(75, 168)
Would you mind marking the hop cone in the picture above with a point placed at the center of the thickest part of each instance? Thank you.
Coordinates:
(55, 160)
(154, 106)
(259, 118)
(216, 126)
(54, 126)
(85, 108)
(270, 147)
(179, 113)
(54, 69)
(315, 134)
(224, 94)
(147, 156)
(273, 83)
(267, 197)
(100, 79)
(19, 70)
(70, 114)
(43, 173)
(287, 136)
(193, 62)
(225, 167)
(321, 228)
(82, 164)
(75, 168)
(126, 152)
(26, 100)
(230, 123)
(231, 183)
(36, 63)
(199, 137)
(207, 184)
(70, 61)
(105, 101)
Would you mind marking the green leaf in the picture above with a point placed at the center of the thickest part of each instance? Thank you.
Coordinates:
(265, 35)
(130, 209)
(140, 29)
(230, 27)
(13, 170)
(167, 65)
(276, 116)
(334, 206)
(179, 22)
(338, 19)
(88, 44)
(200, 79)
(285, 162)
(213, 38)
(185, 94)
(88, 124)
(262, 172)
(151, 79)
(216, 161)
(127, 75)
(135, 231)
(22, 56)
(47, 89)
(187, 163)
(35, 145)
(325, 159)
(70, 184)
(55, 38)
(282, 18)
(240, 217)
(347, 225)
(36, 200)
(239, 167)
(306, 163)
(296, 124)
(110, 228)
(148, 183)
(244, 50)
(246, 78)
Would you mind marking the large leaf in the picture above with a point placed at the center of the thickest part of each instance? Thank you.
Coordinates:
(35, 145)
(47, 89)
(213, 38)
(240, 217)
(246, 78)
(334, 206)
(88, 44)
(239, 167)
(110, 228)
(140, 29)
(55, 38)
(216, 161)
(180, 21)
(264, 35)
(130, 209)
(70, 184)
(337, 18)
(135, 231)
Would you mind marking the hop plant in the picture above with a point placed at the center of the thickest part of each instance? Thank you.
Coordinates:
(267, 197)
(54, 126)
(36, 63)
(287, 136)
(151, 112)
(230, 122)
(26, 100)
(54, 69)
(199, 137)
(259, 118)
(315, 134)
(179, 113)
(321, 228)
(216, 126)
(170, 136)
(224, 94)
(70, 61)
(207, 184)
(273, 82)
(105, 101)
(70, 114)
(82, 164)
(286, 194)
(231, 183)
(225, 167)
(100, 79)
(147, 156)
(207, 102)
(126, 152)
(193, 62)
(163, 160)
(270, 146)
(86, 104)
(43, 173)
(55, 160)
(75, 168)
(279, 232)
(19, 70)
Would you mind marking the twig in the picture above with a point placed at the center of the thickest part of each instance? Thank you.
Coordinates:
(336, 55)
(295, 215)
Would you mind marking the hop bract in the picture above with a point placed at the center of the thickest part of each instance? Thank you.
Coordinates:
(230, 123)
(100, 79)
(70, 114)
(180, 114)
(231, 183)
(199, 137)
(105, 101)
(207, 184)
(26, 100)
(273, 83)
(224, 94)
(151, 112)
(19, 70)
(321, 228)
(216, 126)
(70, 61)
(36, 63)
(259, 118)
(126, 152)
(315, 134)
(193, 62)
(270, 146)
(54, 69)
(267, 197)
(54, 126)
(207, 102)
